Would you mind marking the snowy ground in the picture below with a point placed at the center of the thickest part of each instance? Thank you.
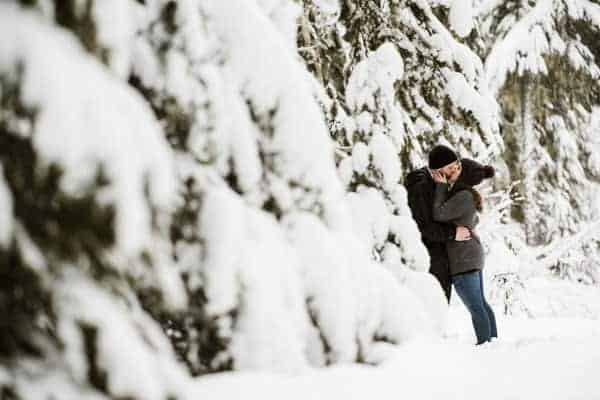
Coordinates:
(542, 358)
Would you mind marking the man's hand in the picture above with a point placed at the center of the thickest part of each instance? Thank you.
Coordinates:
(462, 234)
(438, 177)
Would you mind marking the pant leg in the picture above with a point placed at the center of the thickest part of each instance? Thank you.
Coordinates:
(468, 288)
(490, 311)
(446, 284)
(441, 271)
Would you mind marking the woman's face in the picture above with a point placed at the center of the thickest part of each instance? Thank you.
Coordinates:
(452, 171)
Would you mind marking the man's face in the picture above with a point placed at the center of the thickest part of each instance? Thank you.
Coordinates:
(452, 171)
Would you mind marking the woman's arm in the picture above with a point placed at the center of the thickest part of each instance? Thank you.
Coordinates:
(446, 210)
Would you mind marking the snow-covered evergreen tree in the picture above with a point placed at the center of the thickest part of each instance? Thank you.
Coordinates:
(397, 81)
(167, 173)
(195, 186)
(87, 185)
(547, 86)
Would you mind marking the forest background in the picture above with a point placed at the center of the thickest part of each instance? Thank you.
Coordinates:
(195, 186)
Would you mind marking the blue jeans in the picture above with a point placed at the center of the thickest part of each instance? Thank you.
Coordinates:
(469, 287)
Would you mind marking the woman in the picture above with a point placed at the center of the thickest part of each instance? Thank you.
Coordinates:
(460, 206)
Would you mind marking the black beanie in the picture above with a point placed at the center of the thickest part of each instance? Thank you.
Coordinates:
(440, 156)
(473, 173)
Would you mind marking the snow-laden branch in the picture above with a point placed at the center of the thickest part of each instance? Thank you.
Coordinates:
(548, 255)
(512, 54)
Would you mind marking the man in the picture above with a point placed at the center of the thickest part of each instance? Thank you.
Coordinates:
(421, 189)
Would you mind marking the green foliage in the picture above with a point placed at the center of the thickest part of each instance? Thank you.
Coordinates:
(64, 227)
(25, 306)
(545, 118)
(78, 17)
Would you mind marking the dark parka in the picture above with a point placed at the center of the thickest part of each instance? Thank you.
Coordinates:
(421, 191)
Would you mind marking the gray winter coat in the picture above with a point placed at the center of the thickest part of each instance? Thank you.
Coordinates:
(460, 209)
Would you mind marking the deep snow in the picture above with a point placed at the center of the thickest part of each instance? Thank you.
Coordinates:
(546, 358)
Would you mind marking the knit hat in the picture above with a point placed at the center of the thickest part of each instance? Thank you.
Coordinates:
(440, 156)
(474, 173)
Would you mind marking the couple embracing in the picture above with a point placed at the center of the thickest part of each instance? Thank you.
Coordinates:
(445, 205)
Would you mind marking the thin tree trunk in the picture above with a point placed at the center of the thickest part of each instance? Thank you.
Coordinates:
(526, 144)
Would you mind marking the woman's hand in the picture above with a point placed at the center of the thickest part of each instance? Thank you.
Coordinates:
(438, 177)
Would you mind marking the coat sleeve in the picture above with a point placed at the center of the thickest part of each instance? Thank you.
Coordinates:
(421, 209)
(445, 210)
